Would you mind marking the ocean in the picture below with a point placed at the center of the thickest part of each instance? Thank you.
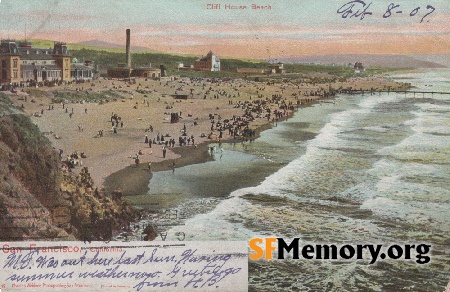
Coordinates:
(359, 169)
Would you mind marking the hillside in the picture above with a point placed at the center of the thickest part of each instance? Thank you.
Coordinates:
(105, 55)
(228, 65)
(89, 45)
(143, 56)
(26, 194)
(108, 45)
(388, 61)
(38, 200)
(110, 59)
(437, 58)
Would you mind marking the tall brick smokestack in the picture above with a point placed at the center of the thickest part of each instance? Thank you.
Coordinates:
(128, 49)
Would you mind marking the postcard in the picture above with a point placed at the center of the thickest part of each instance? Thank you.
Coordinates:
(241, 145)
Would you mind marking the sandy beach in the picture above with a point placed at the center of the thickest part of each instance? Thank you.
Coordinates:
(142, 105)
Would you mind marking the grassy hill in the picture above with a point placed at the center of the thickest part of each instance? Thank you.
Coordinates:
(110, 57)
(38, 43)
(228, 65)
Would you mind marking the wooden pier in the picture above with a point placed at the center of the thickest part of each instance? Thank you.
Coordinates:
(414, 92)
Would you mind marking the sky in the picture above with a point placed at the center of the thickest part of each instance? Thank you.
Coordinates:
(288, 28)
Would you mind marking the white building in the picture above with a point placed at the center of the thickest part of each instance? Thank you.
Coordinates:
(209, 63)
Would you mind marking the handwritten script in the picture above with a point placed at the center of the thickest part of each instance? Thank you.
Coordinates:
(191, 266)
(359, 9)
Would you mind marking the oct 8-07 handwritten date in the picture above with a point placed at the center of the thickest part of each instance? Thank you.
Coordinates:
(360, 9)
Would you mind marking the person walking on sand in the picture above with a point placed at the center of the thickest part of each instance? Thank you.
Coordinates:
(150, 166)
(164, 152)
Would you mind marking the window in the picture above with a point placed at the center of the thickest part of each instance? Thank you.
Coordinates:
(15, 63)
(15, 74)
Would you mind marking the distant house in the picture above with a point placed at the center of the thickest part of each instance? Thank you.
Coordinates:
(271, 69)
(276, 69)
(358, 67)
(181, 66)
(148, 72)
(209, 63)
(123, 71)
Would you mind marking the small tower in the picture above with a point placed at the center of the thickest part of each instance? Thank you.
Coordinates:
(9, 62)
(62, 58)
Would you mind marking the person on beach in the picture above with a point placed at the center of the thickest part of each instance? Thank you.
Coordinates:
(164, 152)
(173, 167)
(150, 166)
